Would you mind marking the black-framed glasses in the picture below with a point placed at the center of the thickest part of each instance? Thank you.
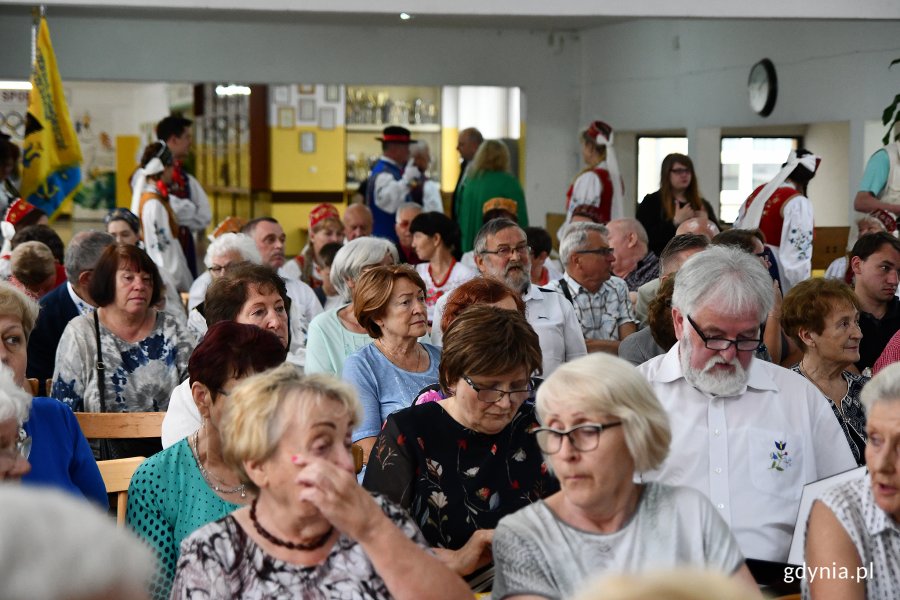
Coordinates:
(717, 343)
(601, 251)
(506, 251)
(493, 395)
(584, 437)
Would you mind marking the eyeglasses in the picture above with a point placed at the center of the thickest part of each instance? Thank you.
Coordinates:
(584, 437)
(492, 395)
(506, 251)
(217, 269)
(601, 251)
(716, 343)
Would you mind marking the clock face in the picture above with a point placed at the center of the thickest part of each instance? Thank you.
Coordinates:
(762, 87)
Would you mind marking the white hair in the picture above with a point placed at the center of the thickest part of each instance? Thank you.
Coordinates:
(55, 546)
(241, 243)
(14, 401)
(354, 257)
(575, 238)
(408, 206)
(726, 278)
(884, 387)
(418, 148)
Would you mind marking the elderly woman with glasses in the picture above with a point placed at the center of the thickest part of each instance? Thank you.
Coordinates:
(600, 423)
(311, 531)
(461, 464)
(40, 430)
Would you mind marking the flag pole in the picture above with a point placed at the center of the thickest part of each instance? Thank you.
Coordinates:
(37, 13)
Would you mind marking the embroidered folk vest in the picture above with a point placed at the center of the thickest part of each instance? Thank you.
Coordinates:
(772, 218)
(606, 193)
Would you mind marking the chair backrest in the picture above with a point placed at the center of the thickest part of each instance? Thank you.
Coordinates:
(117, 475)
(34, 385)
(121, 425)
(358, 457)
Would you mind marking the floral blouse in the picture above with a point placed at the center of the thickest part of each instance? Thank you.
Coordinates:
(453, 480)
(853, 419)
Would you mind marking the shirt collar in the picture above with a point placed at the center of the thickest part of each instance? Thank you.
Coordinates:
(83, 307)
(533, 293)
(670, 370)
(577, 288)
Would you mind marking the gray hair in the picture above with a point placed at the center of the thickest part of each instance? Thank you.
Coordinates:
(575, 238)
(670, 255)
(724, 277)
(602, 383)
(884, 387)
(15, 403)
(408, 206)
(34, 520)
(356, 255)
(84, 251)
(419, 148)
(633, 226)
(241, 243)
(492, 228)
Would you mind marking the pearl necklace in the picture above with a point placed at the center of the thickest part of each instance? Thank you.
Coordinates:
(210, 479)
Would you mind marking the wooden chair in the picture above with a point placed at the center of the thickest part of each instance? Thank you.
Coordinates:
(117, 473)
(358, 457)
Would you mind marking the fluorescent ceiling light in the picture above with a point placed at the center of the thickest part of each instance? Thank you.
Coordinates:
(232, 90)
(15, 85)
(405, 16)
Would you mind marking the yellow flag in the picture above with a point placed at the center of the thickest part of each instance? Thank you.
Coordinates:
(51, 156)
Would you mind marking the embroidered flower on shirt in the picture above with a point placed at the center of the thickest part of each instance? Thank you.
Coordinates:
(801, 241)
(780, 458)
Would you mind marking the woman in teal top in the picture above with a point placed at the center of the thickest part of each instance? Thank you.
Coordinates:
(489, 178)
(188, 485)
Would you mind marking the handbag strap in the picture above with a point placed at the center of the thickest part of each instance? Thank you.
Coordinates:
(101, 368)
(564, 288)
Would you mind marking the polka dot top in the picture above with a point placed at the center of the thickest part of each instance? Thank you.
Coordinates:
(167, 500)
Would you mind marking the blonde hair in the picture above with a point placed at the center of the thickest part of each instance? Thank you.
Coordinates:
(16, 303)
(605, 383)
(260, 409)
(492, 155)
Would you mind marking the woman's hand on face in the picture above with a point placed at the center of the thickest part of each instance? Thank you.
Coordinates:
(475, 554)
(683, 212)
(337, 495)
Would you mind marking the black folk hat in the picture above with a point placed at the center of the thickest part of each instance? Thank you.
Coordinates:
(396, 135)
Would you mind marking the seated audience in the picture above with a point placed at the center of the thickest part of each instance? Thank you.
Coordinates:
(19, 215)
(142, 353)
(310, 530)
(634, 262)
(325, 227)
(336, 334)
(875, 262)
(501, 249)
(65, 302)
(822, 317)
(43, 430)
(543, 269)
(601, 521)
(600, 299)
(854, 526)
(461, 464)
(495, 208)
(699, 225)
(44, 536)
(676, 252)
(247, 294)
(389, 302)
(188, 485)
(659, 334)
(357, 222)
(436, 241)
(405, 215)
(33, 269)
(745, 432)
(46, 235)
(225, 250)
(840, 267)
(481, 290)
(327, 294)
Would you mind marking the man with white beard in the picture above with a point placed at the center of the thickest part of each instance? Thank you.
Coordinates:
(745, 432)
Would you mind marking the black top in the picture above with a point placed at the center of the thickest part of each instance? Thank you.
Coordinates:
(877, 333)
(57, 309)
(660, 229)
(454, 480)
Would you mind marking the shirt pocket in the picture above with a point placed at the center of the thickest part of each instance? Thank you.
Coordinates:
(776, 462)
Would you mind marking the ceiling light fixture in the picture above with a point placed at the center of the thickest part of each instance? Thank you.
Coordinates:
(405, 16)
(232, 90)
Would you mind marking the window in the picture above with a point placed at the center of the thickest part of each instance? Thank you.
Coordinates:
(651, 152)
(748, 163)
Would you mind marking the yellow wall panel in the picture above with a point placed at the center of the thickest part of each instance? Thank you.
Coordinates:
(449, 158)
(127, 148)
(321, 171)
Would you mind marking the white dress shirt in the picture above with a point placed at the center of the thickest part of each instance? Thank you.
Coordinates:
(750, 453)
(552, 318)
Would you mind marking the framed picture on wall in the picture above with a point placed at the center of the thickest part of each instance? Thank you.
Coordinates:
(286, 117)
(307, 109)
(305, 88)
(308, 142)
(332, 93)
(327, 117)
(281, 94)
